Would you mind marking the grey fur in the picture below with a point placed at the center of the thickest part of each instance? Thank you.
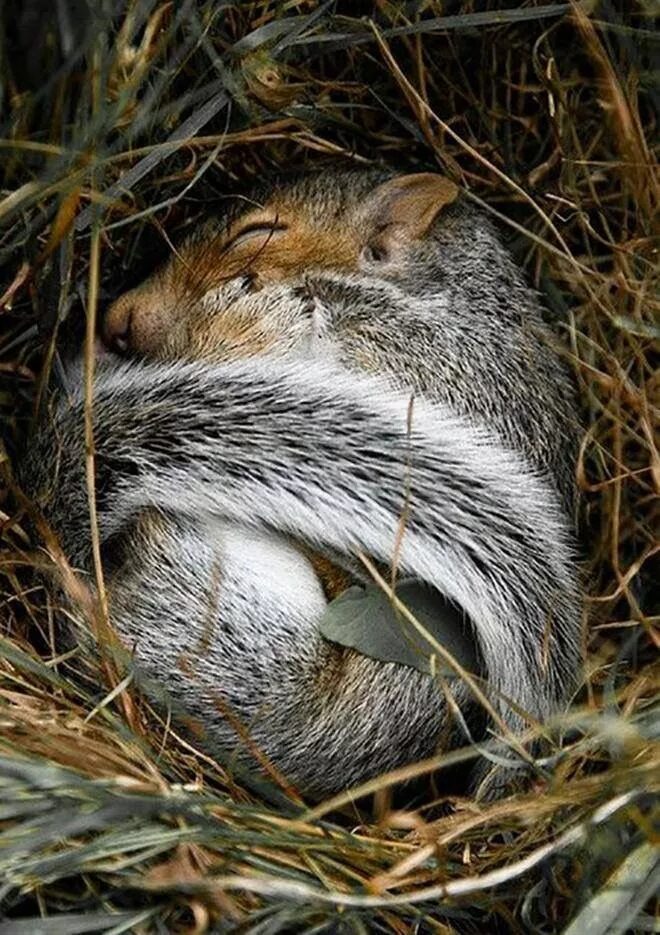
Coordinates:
(205, 468)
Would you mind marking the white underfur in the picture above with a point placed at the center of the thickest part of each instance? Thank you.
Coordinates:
(282, 573)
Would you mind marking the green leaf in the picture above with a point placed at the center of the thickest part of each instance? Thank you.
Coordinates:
(365, 619)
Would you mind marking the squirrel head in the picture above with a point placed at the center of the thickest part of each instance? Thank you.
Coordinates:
(242, 284)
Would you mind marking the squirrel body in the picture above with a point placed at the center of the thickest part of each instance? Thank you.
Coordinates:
(331, 355)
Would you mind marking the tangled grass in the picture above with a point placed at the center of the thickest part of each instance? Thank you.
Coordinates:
(121, 122)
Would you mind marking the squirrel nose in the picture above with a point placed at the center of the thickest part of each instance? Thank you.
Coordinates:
(117, 325)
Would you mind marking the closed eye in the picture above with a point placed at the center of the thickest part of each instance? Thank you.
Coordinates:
(254, 230)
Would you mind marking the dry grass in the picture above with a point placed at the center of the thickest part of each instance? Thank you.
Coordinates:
(115, 134)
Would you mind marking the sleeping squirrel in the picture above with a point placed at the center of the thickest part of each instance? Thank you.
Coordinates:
(342, 363)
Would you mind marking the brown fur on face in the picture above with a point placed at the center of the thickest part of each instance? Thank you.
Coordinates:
(287, 246)
(322, 222)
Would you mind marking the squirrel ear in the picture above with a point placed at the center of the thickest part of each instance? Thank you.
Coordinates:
(404, 208)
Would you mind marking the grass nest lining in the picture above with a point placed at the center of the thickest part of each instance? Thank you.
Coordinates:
(121, 122)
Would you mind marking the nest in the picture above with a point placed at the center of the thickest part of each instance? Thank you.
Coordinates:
(120, 122)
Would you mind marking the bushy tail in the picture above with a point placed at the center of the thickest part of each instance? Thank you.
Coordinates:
(332, 458)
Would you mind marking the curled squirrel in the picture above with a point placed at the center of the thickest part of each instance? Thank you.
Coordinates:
(332, 349)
